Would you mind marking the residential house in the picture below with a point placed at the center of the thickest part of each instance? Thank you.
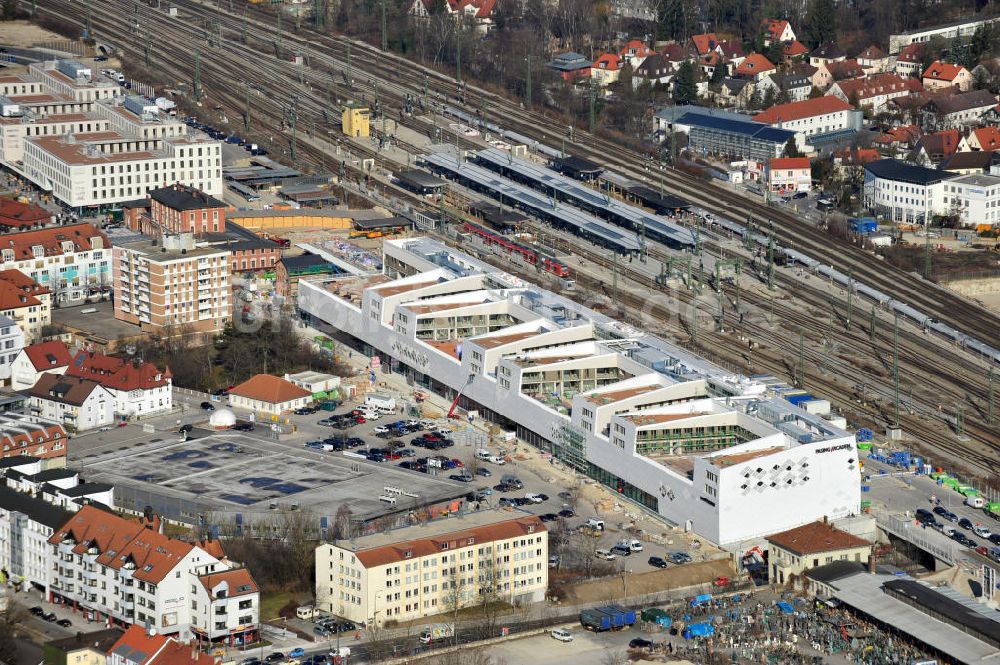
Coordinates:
(11, 343)
(873, 60)
(571, 66)
(81, 649)
(968, 163)
(732, 54)
(942, 74)
(910, 61)
(79, 404)
(709, 62)
(18, 216)
(47, 357)
(819, 76)
(139, 388)
(776, 31)
(144, 646)
(477, 12)
(813, 117)
(606, 69)
(26, 302)
(26, 523)
(788, 175)
(824, 54)
(791, 553)
(126, 571)
(674, 54)
(704, 43)
(218, 594)
(992, 116)
(73, 262)
(897, 141)
(874, 92)
(786, 87)
(22, 434)
(634, 52)
(845, 69)
(735, 92)
(981, 138)
(654, 70)
(268, 394)
(962, 111)
(794, 50)
(755, 68)
(850, 162)
(934, 148)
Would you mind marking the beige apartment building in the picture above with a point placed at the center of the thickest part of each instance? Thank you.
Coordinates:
(793, 552)
(172, 282)
(428, 569)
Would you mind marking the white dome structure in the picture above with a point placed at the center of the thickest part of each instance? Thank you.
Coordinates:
(222, 418)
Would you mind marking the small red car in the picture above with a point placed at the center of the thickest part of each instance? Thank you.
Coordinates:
(458, 462)
(721, 581)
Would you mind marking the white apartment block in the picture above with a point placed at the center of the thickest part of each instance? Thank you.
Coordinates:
(225, 604)
(704, 449)
(813, 117)
(171, 282)
(26, 524)
(434, 568)
(11, 343)
(80, 138)
(127, 572)
(948, 31)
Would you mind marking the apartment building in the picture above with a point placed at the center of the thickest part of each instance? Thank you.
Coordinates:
(47, 357)
(22, 434)
(79, 404)
(577, 384)
(902, 192)
(26, 302)
(813, 117)
(60, 487)
(26, 524)
(72, 262)
(11, 343)
(874, 92)
(138, 388)
(434, 568)
(788, 175)
(220, 596)
(172, 282)
(15, 215)
(128, 572)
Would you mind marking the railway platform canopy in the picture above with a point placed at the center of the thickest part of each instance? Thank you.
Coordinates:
(512, 193)
(577, 167)
(420, 181)
(573, 192)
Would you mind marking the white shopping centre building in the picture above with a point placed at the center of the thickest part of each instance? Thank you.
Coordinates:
(719, 454)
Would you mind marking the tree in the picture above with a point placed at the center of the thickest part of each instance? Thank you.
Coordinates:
(685, 84)
(792, 148)
(770, 97)
(755, 101)
(718, 77)
(11, 620)
(822, 23)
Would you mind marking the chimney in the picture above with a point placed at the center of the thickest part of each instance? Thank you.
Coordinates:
(826, 520)
(871, 563)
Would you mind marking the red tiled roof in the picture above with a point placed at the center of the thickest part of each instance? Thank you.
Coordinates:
(138, 640)
(117, 373)
(906, 134)
(943, 143)
(81, 235)
(22, 215)
(731, 49)
(815, 538)
(754, 64)
(120, 541)
(710, 59)
(139, 647)
(871, 53)
(988, 137)
(794, 49)
(12, 297)
(270, 389)
(858, 156)
(879, 84)
(845, 69)
(213, 547)
(176, 653)
(773, 27)
(674, 52)
(611, 62)
(705, 42)
(386, 554)
(21, 443)
(789, 163)
(807, 108)
(942, 71)
(638, 47)
(24, 284)
(239, 581)
(48, 355)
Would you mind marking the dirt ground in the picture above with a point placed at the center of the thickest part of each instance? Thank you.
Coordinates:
(24, 34)
(596, 591)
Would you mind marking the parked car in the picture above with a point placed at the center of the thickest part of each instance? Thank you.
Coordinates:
(534, 498)
(657, 562)
(548, 517)
(274, 657)
(207, 406)
(37, 611)
(567, 513)
(297, 652)
(621, 550)
(50, 617)
(243, 427)
(185, 428)
(640, 643)
(561, 634)
(484, 472)
(461, 478)
(65, 623)
(721, 580)
(982, 532)
(680, 557)
(606, 555)
(966, 523)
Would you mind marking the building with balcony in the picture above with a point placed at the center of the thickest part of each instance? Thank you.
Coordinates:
(715, 453)
(138, 388)
(125, 571)
(26, 524)
(226, 605)
(71, 262)
(79, 404)
(11, 343)
(172, 283)
(26, 302)
(434, 568)
(34, 436)
(33, 361)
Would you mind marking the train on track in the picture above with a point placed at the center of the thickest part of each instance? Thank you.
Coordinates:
(517, 253)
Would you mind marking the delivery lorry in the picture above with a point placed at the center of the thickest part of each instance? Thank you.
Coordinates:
(437, 632)
(607, 617)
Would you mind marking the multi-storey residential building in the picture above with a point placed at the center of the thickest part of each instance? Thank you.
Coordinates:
(79, 404)
(947, 31)
(33, 361)
(26, 524)
(813, 117)
(128, 572)
(434, 568)
(60, 487)
(30, 435)
(874, 92)
(172, 282)
(138, 388)
(788, 175)
(72, 262)
(903, 192)
(224, 602)
(143, 646)
(656, 424)
(11, 343)
(26, 302)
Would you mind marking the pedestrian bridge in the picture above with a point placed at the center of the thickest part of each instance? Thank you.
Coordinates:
(907, 528)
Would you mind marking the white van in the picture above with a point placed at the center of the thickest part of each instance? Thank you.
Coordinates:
(388, 498)
(484, 454)
(306, 612)
(499, 461)
(594, 523)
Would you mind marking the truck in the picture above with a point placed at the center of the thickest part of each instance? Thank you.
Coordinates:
(607, 617)
(381, 402)
(436, 632)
